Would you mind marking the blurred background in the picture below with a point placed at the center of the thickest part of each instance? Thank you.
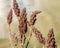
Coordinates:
(50, 17)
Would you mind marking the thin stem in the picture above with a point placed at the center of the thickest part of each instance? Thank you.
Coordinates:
(23, 41)
(44, 46)
(29, 37)
(11, 37)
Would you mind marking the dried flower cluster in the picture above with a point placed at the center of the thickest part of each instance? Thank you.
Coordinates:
(51, 40)
(38, 35)
(33, 18)
(16, 8)
(9, 17)
(23, 23)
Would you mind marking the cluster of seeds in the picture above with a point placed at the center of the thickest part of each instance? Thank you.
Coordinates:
(38, 35)
(51, 40)
(16, 8)
(9, 17)
(33, 17)
(23, 23)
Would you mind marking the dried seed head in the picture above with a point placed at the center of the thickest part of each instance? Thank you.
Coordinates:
(17, 12)
(14, 1)
(51, 40)
(9, 17)
(33, 17)
(23, 13)
(23, 22)
(16, 9)
(38, 35)
(15, 5)
(37, 12)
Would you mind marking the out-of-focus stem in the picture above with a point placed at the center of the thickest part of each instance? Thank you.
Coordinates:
(11, 38)
(44, 46)
(23, 41)
(9, 33)
(18, 18)
(29, 37)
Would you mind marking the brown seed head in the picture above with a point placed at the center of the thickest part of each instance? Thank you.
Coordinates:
(9, 17)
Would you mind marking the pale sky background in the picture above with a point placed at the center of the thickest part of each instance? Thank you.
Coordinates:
(50, 13)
